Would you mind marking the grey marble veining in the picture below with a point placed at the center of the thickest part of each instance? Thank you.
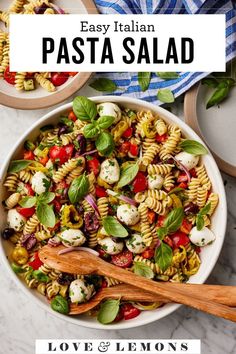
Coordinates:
(22, 321)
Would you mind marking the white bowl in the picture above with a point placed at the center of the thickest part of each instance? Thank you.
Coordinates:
(209, 254)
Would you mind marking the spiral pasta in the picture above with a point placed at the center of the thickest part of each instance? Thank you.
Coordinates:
(25, 176)
(156, 206)
(170, 144)
(11, 182)
(201, 196)
(103, 206)
(31, 225)
(162, 169)
(12, 200)
(203, 177)
(161, 127)
(19, 81)
(169, 182)
(149, 154)
(44, 83)
(111, 282)
(68, 167)
(16, 6)
(146, 231)
(192, 191)
(213, 199)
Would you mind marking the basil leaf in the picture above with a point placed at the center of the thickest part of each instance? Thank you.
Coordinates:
(40, 276)
(205, 210)
(66, 121)
(211, 82)
(108, 311)
(162, 232)
(221, 92)
(103, 85)
(78, 188)
(46, 215)
(199, 222)
(167, 75)
(17, 269)
(60, 304)
(46, 197)
(113, 227)
(47, 184)
(193, 147)
(18, 165)
(105, 143)
(90, 131)
(174, 220)
(144, 79)
(28, 202)
(84, 108)
(163, 256)
(128, 174)
(143, 269)
(105, 122)
(28, 145)
(165, 95)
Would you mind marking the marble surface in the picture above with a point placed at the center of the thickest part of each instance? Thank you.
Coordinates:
(22, 321)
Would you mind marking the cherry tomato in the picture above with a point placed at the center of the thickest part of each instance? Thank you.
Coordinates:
(182, 177)
(168, 240)
(124, 148)
(26, 212)
(123, 259)
(29, 189)
(193, 172)
(93, 165)
(36, 262)
(140, 182)
(198, 249)
(72, 116)
(120, 315)
(104, 284)
(69, 150)
(73, 73)
(9, 76)
(20, 255)
(59, 79)
(161, 138)
(160, 221)
(61, 153)
(148, 254)
(186, 226)
(128, 132)
(57, 205)
(183, 185)
(180, 239)
(100, 192)
(151, 216)
(134, 149)
(29, 75)
(28, 155)
(44, 160)
(130, 311)
(103, 254)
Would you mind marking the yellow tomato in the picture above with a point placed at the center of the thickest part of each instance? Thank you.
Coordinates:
(20, 255)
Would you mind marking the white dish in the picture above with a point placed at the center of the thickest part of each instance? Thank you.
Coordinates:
(209, 254)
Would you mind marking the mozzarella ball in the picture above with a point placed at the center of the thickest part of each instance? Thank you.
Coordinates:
(72, 237)
(188, 160)
(135, 244)
(155, 181)
(15, 220)
(38, 180)
(128, 214)
(110, 246)
(201, 237)
(79, 291)
(109, 109)
(110, 171)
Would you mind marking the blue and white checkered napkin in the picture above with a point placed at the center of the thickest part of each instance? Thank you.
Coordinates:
(128, 82)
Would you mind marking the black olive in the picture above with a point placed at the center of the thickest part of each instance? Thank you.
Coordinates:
(62, 130)
(65, 279)
(191, 209)
(7, 233)
(39, 10)
(81, 144)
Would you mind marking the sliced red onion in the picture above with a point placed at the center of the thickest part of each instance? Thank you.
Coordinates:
(54, 241)
(58, 9)
(182, 167)
(90, 199)
(71, 249)
(122, 197)
(89, 152)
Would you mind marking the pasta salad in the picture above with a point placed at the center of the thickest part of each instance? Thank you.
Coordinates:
(126, 185)
(27, 81)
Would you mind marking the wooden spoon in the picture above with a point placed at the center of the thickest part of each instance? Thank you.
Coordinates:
(82, 262)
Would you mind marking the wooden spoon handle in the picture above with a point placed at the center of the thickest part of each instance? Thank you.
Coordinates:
(198, 301)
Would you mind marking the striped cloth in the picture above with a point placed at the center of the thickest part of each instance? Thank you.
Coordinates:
(128, 82)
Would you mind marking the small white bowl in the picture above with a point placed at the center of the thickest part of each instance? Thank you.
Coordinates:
(209, 254)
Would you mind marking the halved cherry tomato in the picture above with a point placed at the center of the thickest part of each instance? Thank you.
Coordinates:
(186, 226)
(168, 240)
(123, 259)
(60, 187)
(57, 205)
(29, 189)
(179, 238)
(193, 172)
(130, 311)
(59, 79)
(160, 221)
(26, 212)
(69, 150)
(103, 254)
(134, 149)
(161, 138)
(44, 160)
(183, 185)
(151, 216)
(120, 315)
(73, 73)
(36, 263)
(124, 148)
(93, 165)
(9, 76)
(72, 116)
(28, 155)
(128, 132)
(100, 192)
(140, 182)
(182, 177)
(61, 153)
(29, 75)
(148, 254)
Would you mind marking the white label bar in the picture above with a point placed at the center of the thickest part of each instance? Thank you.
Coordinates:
(117, 43)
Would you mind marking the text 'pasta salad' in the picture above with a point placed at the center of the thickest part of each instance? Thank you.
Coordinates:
(121, 182)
